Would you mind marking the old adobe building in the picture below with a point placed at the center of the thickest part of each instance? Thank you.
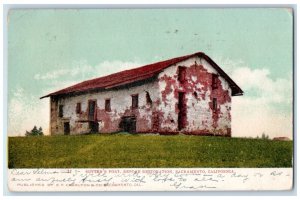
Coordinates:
(189, 94)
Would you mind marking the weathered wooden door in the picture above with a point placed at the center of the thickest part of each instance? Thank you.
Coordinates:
(182, 111)
(91, 110)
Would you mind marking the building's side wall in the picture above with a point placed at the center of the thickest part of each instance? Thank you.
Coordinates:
(200, 117)
(53, 115)
(121, 101)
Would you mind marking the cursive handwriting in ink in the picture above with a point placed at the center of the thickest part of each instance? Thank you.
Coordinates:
(276, 173)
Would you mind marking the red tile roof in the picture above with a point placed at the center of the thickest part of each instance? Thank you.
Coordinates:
(138, 74)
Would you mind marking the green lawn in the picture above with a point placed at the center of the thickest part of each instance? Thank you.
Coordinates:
(124, 150)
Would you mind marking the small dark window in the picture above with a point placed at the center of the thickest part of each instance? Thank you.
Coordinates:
(214, 81)
(61, 111)
(215, 104)
(181, 74)
(195, 94)
(135, 101)
(107, 105)
(78, 108)
(148, 98)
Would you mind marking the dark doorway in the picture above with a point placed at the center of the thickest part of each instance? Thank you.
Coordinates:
(182, 111)
(94, 127)
(92, 106)
(67, 128)
(128, 124)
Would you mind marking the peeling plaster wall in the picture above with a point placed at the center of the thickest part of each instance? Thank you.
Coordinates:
(121, 102)
(162, 115)
(200, 118)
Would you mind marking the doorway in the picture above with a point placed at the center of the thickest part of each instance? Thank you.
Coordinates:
(94, 127)
(182, 111)
(128, 124)
(66, 128)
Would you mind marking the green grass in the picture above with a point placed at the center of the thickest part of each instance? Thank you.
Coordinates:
(124, 150)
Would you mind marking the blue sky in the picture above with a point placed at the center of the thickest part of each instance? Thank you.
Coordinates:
(51, 49)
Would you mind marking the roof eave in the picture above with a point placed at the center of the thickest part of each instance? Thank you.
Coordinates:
(45, 96)
(238, 94)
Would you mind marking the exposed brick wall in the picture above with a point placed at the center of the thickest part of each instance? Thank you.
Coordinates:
(199, 94)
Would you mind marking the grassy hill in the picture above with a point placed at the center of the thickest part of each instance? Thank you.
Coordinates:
(124, 150)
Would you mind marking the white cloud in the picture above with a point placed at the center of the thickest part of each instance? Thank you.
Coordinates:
(26, 112)
(254, 115)
(83, 70)
(55, 74)
(269, 90)
(266, 105)
(51, 75)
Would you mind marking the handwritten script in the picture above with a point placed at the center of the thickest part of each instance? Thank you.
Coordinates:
(150, 179)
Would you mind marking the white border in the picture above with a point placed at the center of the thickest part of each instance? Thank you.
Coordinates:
(66, 3)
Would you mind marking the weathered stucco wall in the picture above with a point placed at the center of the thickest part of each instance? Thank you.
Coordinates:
(121, 101)
(197, 86)
(162, 115)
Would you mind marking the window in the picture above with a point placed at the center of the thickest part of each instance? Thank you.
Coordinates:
(78, 108)
(181, 74)
(215, 105)
(135, 101)
(61, 111)
(195, 94)
(214, 81)
(148, 99)
(91, 110)
(107, 105)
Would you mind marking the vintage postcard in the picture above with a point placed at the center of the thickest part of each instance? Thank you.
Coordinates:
(150, 99)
